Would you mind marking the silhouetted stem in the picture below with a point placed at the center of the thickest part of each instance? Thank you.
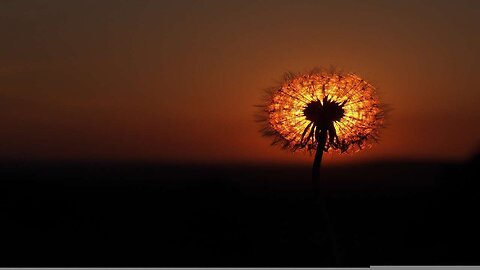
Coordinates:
(319, 192)
(317, 162)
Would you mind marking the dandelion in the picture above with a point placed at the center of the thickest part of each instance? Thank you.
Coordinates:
(323, 112)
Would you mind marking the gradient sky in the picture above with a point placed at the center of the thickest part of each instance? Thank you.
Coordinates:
(177, 80)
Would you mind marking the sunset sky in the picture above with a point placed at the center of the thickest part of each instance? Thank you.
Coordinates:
(177, 81)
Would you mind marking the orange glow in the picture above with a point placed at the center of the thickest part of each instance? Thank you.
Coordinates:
(176, 82)
(361, 113)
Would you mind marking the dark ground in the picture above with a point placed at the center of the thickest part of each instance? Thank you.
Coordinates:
(92, 214)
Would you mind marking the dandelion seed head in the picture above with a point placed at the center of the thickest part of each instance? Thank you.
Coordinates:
(343, 106)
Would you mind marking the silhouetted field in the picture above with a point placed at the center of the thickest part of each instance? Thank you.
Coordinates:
(119, 214)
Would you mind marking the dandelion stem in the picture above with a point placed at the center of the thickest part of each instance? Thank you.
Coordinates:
(319, 193)
(321, 139)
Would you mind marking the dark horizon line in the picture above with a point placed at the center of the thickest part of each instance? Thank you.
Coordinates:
(213, 163)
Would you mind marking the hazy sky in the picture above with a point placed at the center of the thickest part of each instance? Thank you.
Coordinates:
(177, 80)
